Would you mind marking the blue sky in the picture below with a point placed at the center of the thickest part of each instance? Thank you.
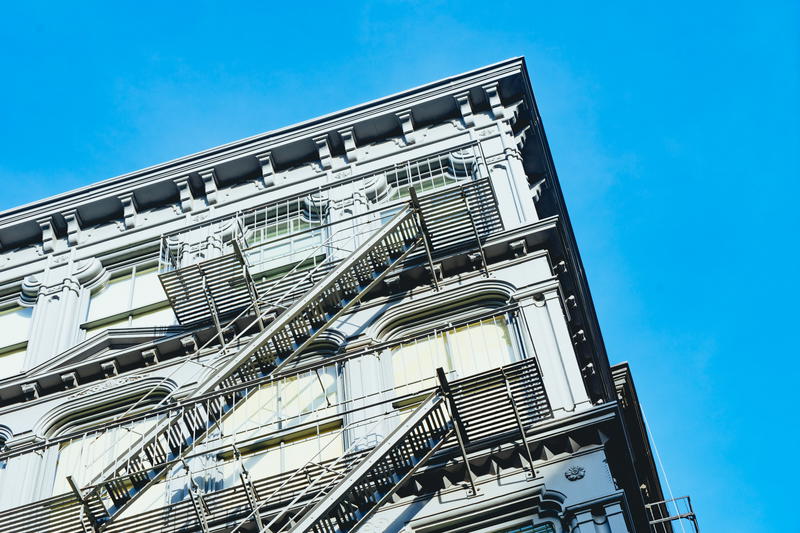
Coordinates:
(674, 126)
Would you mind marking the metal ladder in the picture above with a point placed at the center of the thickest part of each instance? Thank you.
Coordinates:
(266, 353)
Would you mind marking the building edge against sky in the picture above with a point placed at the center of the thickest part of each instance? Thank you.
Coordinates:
(376, 319)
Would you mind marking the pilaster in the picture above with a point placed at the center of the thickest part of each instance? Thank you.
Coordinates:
(553, 347)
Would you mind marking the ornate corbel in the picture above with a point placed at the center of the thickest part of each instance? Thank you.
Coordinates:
(349, 140)
(407, 124)
(30, 391)
(150, 356)
(184, 193)
(128, 209)
(48, 233)
(209, 185)
(462, 99)
(73, 221)
(267, 170)
(110, 368)
(493, 93)
(324, 151)
(70, 380)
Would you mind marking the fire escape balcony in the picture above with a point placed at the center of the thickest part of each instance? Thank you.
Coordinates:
(215, 269)
(672, 516)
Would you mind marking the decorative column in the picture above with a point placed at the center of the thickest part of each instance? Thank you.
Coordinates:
(583, 522)
(554, 351)
(58, 312)
(615, 518)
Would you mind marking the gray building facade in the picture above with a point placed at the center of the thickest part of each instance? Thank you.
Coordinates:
(374, 320)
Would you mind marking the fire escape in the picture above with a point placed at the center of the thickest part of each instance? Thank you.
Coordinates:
(261, 329)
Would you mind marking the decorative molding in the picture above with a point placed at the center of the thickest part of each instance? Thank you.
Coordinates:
(493, 93)
(407, 124)
(349, 139)
(105, 385)
(48, 234)
(72, 218)
(574, 473)
(185, 194)
(89, 271)
(462, 99)
(209, 185)
(324, 151)
(128, 209)
(267, 171)
(29, 291)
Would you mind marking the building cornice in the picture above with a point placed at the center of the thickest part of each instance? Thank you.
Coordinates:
(262, 143)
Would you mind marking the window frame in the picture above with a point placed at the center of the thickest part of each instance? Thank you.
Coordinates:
(131, 312)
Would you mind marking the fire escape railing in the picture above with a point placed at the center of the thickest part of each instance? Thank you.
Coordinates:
(675, 515)
(327, 296)
(515, 388)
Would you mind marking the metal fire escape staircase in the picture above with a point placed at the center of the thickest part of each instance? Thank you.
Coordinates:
(299, 321)
(347, 504)
(344, 502)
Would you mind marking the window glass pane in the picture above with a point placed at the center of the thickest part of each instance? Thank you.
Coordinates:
(414, 364)
(308, 397)
(110, 300)
(84, 458)
(147, 288)
(259, 409)
(480, 347)
(11, 363)
(286, 457)
(155, 318)
(15, 325)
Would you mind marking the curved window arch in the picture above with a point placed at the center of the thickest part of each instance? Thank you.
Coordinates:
(90, 440)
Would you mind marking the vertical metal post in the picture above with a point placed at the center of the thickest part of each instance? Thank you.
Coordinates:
(461, 434)
(426, 239)
(213, 308)
(518, 419)
(475, 231)
(85, 504)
